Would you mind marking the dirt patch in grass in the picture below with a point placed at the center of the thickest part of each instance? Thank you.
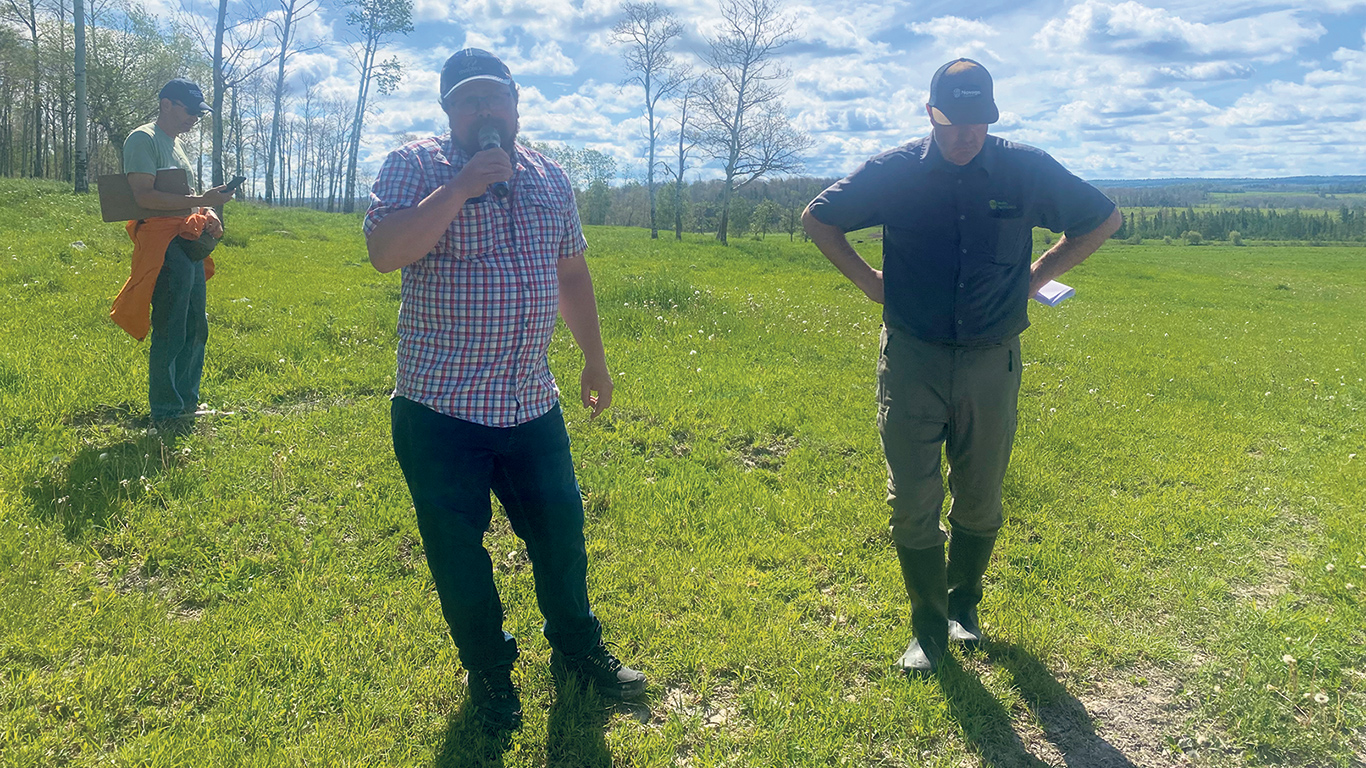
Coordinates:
(1138, 720)
(719, 710)
(1116, 723)
(1274, 583)
(762, 452)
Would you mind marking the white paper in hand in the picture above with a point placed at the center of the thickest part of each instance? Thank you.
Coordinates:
(1054, 293)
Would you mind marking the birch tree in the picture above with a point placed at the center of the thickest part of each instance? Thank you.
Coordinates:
(82, 171)
(374, 21)
(291, 12)
(687, 141)
(647, 32)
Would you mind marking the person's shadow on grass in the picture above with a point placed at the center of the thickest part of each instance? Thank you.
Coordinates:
(89, 491)
(987, 725)
(575, 733)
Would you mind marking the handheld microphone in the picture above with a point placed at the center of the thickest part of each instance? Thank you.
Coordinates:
(489, 138)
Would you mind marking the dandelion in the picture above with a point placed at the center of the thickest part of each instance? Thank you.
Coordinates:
(1321, 697)
(1330, 568)
(1288, 659)
(104, 457)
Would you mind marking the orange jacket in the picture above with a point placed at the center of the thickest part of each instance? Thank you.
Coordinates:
(133, 306)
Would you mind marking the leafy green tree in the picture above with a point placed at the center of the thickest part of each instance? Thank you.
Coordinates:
(765, 215)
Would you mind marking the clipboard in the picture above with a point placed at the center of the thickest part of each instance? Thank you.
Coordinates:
(118, 204)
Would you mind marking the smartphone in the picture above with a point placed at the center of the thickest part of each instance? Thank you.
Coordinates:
(231, 187)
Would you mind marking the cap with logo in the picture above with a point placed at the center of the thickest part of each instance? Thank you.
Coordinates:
(472, 64)
(960, 94)
(187, 93)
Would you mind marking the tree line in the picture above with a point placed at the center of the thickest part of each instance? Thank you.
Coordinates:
(76, 76)
(1234, 224)
(297, 146)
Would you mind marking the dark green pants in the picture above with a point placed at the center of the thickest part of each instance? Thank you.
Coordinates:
(960, 401)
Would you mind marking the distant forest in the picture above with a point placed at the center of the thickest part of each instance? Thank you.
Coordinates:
(1188, 211)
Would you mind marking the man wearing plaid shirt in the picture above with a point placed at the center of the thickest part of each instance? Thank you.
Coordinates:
(491, 248)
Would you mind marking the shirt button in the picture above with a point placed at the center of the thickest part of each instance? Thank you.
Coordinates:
(961, 217)
(960, 322)
(963, 250)
(960, 285)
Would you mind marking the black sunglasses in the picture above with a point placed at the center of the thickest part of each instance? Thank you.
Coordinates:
(187, 109)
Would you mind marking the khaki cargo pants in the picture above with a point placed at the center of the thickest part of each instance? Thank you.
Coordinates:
(961, 400)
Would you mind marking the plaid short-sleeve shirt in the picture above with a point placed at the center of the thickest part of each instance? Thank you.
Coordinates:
(477, 313)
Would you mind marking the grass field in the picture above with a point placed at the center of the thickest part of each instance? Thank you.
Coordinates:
(1178, 583)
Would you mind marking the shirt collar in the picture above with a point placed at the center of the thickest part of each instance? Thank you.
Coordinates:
(986, 160)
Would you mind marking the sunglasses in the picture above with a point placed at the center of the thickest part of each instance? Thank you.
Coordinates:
(188, 111)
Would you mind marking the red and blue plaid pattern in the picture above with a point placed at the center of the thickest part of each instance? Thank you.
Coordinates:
(477, 313)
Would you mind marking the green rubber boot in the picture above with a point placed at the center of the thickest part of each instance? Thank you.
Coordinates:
(969, 555)
(927, 587)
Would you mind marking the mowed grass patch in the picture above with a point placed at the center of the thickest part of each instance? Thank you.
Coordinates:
(255, 593)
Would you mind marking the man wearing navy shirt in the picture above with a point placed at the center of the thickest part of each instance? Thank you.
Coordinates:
(958, 209)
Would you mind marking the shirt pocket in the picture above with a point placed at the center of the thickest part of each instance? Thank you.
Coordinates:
(1014, 241)
(541, 221)
(475, 233)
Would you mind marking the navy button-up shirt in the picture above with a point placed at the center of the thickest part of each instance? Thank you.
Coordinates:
(957, 240)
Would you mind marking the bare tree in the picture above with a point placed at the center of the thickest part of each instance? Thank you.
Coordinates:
(647, 31)
(235, 52)
(375, 21)
(742, 120)
(292, 11)
(687, 140)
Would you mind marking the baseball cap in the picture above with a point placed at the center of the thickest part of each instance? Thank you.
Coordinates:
(960, 94)
(472, 64)
(186, 93)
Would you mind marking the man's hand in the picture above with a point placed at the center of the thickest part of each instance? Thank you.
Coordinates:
(214, 225)
(595, 379)
(486, 167)
(1068, 252)
(216, 197)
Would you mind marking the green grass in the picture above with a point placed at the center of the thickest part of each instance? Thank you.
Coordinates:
(1184, 509)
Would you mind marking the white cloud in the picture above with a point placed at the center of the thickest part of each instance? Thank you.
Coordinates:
(1111, 88)
(1133, 28)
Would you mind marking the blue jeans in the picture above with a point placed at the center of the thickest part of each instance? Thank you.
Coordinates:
(451, 465)
(180, 328)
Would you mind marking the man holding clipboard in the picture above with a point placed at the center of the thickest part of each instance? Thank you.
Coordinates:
(170, 263)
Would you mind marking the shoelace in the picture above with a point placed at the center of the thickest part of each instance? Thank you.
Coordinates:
(601, 657)
(496, 686)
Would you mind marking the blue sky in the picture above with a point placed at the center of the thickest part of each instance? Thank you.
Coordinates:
(1112, 89)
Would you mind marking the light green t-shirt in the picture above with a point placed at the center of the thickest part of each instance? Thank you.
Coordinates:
(149, 149)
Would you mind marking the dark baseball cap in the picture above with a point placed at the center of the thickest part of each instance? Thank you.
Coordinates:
(472, 64)
(960, 94)
(186, 93)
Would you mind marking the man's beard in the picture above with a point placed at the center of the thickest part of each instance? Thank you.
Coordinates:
(469, 141)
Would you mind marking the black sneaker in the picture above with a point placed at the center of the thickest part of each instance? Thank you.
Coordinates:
(600, 670)
(494, 698)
